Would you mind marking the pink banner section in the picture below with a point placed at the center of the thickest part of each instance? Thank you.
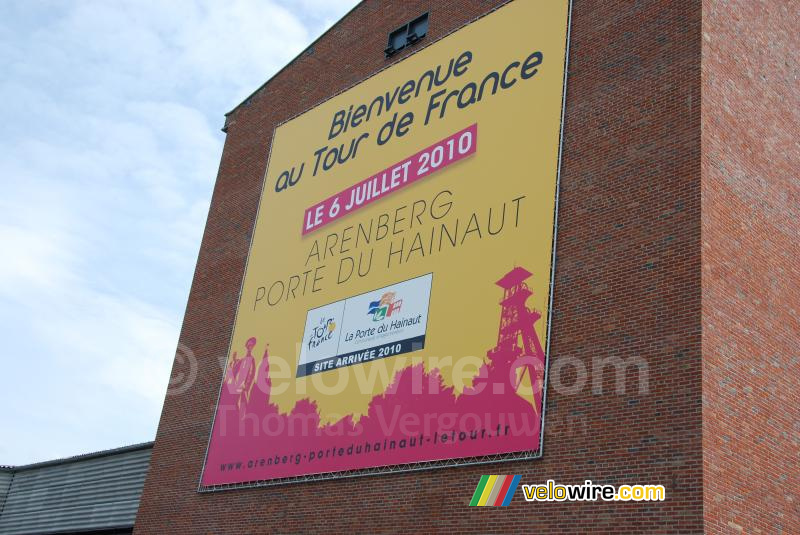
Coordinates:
(427, 161)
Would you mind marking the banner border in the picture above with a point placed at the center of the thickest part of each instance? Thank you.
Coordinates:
(422, 465)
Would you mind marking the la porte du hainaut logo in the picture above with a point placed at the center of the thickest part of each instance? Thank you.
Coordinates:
(385, 307)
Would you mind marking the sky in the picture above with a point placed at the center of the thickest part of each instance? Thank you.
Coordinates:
(110, 116)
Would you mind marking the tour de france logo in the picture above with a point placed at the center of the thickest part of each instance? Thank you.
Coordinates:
(322, 332)
(384, 308)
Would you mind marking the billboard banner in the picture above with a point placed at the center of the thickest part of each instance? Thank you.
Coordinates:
(395, 305)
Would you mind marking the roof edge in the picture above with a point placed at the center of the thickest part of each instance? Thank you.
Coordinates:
(80, 457)
(295, 58)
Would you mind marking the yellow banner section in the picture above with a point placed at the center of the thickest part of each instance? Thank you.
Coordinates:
(465, 211)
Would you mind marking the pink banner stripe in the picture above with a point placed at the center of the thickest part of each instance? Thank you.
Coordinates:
(427, 161)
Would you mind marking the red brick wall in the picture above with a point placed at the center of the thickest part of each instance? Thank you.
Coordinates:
(751, 278)
(628, 283)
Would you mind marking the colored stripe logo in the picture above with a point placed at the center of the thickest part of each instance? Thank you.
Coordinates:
(495, 490)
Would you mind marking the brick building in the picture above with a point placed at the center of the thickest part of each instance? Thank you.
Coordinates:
(677, 235)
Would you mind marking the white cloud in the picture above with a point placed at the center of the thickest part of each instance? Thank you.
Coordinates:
(109, 128)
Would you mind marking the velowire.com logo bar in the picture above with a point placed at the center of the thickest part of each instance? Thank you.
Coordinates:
(499, 490)
(495, 490)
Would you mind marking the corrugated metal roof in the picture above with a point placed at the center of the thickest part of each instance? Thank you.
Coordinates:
(102, 453)
(88, 492)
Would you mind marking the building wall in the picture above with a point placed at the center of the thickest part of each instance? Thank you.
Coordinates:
(6, 476)
(627, 286)
(94, 493)
(751, 278)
